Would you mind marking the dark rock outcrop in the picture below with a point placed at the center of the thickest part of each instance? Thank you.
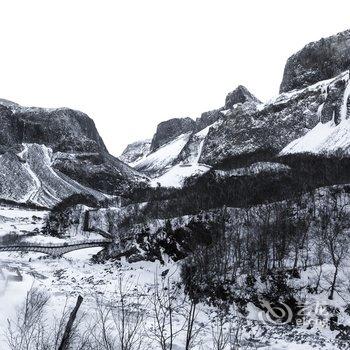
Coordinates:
(61, 129)
(208, 118)
(320, 60)
(240, 95)
(269, 129)
(170, 129)
(71, 147)
(331, 109)
(99, 171)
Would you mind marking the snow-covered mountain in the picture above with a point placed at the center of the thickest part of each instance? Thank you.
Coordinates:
(261, 231)
(29, 177)
(319, 60)
(311, 115)
(328, 136)
(47, 155)
(177, 146)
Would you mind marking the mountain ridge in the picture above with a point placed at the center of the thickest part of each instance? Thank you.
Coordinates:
(73, 157)
(311, 95)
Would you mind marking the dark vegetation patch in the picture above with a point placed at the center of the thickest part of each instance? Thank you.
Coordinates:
(177, 243)
(62, 214)
(74, 199)
(14, 204)
(307, 173)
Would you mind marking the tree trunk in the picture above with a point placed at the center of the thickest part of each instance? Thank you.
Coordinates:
(296, 257)
(333, 283)
(68, 331)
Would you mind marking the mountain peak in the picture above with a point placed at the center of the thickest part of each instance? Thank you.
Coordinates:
(240, 95)
(319, 60)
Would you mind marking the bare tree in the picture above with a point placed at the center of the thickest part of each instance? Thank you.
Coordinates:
(128, 316)
(192, 328)
(119, 322)
(164, 307)
(334, 220)
(220, 332)
(28, 330)
(101, 332)
(69, 330)
(33, 329)
(319, 261)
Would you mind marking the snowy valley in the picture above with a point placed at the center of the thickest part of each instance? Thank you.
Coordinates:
(230, 231)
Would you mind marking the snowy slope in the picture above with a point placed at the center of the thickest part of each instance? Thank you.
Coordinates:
(135, 151)
(188, 165)
(329, 137)
(29, 178)
(193, 150)
(20, 221)
(176, 176)
(323, 138)
(175, 161)
(156, 162)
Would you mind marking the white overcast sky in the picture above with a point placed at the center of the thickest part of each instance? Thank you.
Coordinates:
(131, 64)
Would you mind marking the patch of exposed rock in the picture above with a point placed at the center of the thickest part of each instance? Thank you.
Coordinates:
(170, 129)
(135, 151)
(319, 60)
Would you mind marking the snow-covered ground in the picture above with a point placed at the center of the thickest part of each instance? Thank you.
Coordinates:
(176, 176)
(75, 274)
(20, 221)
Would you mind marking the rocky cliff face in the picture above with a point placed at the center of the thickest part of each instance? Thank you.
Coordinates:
(135, 151)
(240, 95)
(56, 153)
(320, 60)
(61, 129)
(279, 122)
(168, 130)
(313, 117)
(209, 118)
(177, 146)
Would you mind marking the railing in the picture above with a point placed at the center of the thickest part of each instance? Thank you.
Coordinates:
(55, 249)
(55, 245)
